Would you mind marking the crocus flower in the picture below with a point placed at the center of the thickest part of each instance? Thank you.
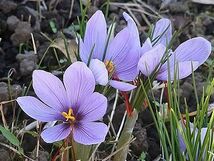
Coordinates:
(119, 60)
(74, 104)
(187, 57)
(196, 131)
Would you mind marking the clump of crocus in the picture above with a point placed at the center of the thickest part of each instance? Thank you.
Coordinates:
(186, 58)
(75, 105)
(111, 61)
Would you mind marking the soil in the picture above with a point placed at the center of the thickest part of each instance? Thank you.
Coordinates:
(18, 57)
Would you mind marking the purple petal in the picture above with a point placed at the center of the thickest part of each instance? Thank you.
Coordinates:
(84, 52)
(100, 72)
(79, 83)
(147, 45)
(162, 26)
(56, 133)
(38, 110)
(195, 49)
(124, 51)
(181, 142)
(127, 69)
(151, 59)
(184, 69)
(95, 35)
(123, 42)
(204, 132)
(90, 133)
(133, 28)
(121, 86)
(50, 90)
(93, 108)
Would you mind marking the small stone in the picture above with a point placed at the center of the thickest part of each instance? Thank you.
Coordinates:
(92, 10)
(178, 7)
(140, 143)
(4, 155)
(3, 27)
(16, 91)
(27, 62)
(12, 22)
(22, 33)
(7, 6)
(43, 155)
(4, 96)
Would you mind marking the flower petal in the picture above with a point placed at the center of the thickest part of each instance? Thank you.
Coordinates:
(121, 86)
(100, 72)
(56, 133)
(50, 90)
(151, 59)
(162, 31)
(90, 133)
(84, 53)
(38, 110)
(123, 42)
(93, 108)
(132, 27)
(195, 49)
(79, 83)
(95, 36)
(147, 45)
(184, 69)
(126, 70)
(124, 51)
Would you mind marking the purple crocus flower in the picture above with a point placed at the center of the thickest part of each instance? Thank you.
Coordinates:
(196, 131)
(191, 53)
(121, 56)
(188, 56)
(74, 104)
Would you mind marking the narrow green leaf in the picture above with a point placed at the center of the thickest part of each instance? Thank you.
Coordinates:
(9, 136)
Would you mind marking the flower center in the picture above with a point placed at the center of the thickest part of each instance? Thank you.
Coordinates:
(69, 115)
(109, 66)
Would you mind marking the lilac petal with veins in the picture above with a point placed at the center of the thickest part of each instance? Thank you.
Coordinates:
(56, 133)
(121, 86)
(88, 133)
(79, 83)
(162, 31)
(92, 108)
(38, 110)
(50, 90)
(151, 59)
(95, 36)
(99, 71)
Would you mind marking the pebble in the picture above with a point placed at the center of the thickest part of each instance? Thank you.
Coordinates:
(140, 144)
(16, 90)
(12, 22)
(22, 33)
(7, 6)
(27, 62)
(178, 7)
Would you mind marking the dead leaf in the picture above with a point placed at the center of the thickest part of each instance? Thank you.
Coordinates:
(72, 48)
(204, 1)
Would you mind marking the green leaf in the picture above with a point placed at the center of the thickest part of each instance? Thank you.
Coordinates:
(9, 136)
(53, 26)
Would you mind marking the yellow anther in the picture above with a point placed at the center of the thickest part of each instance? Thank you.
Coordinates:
(69, 115)
(109, 66)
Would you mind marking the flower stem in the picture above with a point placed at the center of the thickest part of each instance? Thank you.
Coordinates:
(126, 137)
